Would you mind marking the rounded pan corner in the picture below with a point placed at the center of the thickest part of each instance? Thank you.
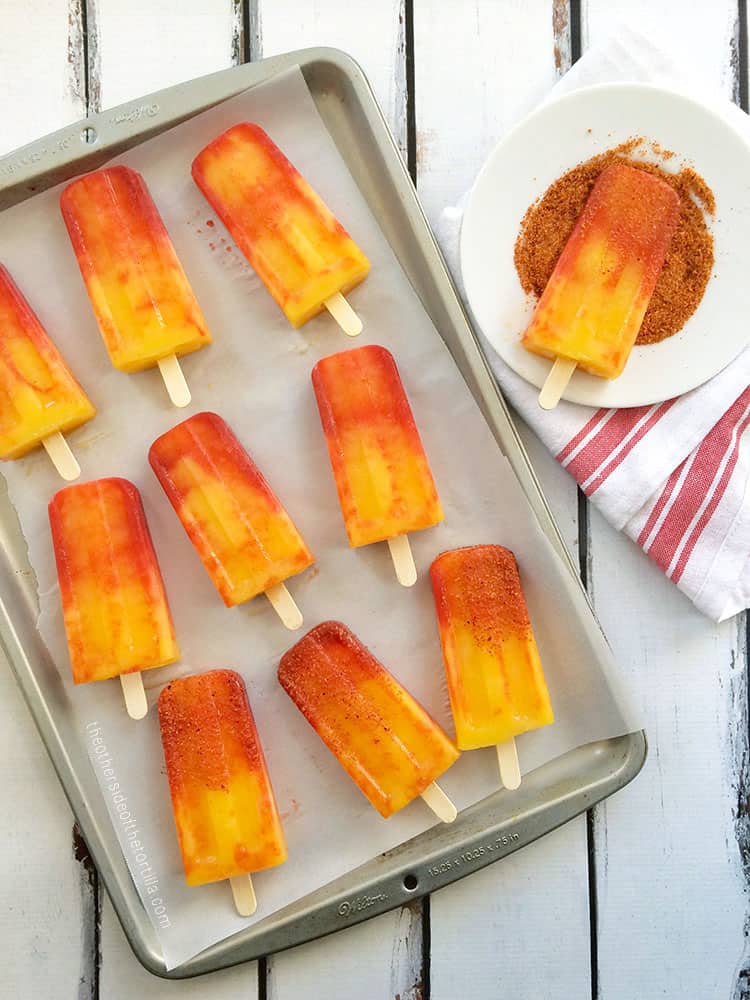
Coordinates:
(637, 755)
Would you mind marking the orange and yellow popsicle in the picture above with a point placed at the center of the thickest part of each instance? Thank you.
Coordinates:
(146, 310)
(495, 678)
(40, 399)
(244, 537)
(591, 311)
(299, 250)
(115, 609)
(381, 736)
(224, 808)
(382, 476)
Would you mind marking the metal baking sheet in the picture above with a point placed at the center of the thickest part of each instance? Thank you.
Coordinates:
(486, 832)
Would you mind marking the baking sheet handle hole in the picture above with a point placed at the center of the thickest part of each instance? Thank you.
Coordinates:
(89, 135)
(410, 882)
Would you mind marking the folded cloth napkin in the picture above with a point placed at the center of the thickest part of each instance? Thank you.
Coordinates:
(675, 476)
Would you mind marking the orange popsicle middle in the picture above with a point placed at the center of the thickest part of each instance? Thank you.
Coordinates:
(117, 618)
(142, 300)
(593, 305)
(224, 808)
(300, 251)
(384, 482)
(245, 538)
(495, 678)
(39, 395)
(380, 734)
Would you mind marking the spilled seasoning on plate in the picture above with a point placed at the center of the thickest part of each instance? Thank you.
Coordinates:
(548, 223)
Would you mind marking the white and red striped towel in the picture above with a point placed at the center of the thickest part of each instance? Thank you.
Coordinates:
(674, 476)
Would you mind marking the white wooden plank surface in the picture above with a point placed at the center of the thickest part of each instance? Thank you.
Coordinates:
(42, 892)
(499, 929)
(144, 46)
(385, 953)
(371, 32)
(43, 886)
(672, 901)
(41, 70)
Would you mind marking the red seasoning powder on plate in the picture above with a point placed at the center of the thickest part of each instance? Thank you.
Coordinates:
(548, 223)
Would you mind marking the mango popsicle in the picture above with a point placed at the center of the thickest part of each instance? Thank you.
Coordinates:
(299, 250)
(115, 609)
(146, 310)
(495, 679)
(381, 736)
(593, 305)
(40, 399)
(224, 808)
(382, 476)
(245, 538)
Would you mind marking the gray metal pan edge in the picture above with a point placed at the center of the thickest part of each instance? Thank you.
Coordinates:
(490, 830)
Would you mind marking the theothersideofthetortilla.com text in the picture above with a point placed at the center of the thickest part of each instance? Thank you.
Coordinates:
(136, 852)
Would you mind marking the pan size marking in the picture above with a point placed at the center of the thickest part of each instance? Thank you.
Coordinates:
(35, 156)
(474, 854)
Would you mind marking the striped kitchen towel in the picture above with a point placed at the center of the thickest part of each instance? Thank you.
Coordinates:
(675, 476)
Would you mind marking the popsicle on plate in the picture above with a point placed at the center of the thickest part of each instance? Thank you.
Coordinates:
(495, 679)
(383, 480)
(146, 310)
(299, 250)
(40, 399)
(115, 609)
(591, 311)
(382, 737)
(244, 537)
(224, 808)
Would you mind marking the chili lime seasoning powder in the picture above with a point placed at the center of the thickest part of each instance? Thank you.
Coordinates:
(549, 222)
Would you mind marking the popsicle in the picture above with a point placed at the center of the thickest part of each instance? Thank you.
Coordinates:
(244, 537)
(591, 311)
(115, 609)
(298, 249)
(385, 741)
(40, 399)
(495, 679)
(224, 808)
(383, 480)
(146, 310)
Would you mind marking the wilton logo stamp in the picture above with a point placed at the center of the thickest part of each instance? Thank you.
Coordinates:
(350, 906)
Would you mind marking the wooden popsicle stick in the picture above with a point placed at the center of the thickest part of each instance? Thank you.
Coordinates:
(174, 380)
(244, 895)
(507, 758)
(285, 607)
(344, 315)
(556, 383)
(135, 696)
(439, 802)
(61, 456)
(403, 560)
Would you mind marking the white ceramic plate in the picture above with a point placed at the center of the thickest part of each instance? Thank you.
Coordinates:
(547, 144)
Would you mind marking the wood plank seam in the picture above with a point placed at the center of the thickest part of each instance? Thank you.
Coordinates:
(86, 33)
(741, 743)
(568, 39)
(91, 918)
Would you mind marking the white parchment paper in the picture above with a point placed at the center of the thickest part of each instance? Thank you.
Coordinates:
(257, 375)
